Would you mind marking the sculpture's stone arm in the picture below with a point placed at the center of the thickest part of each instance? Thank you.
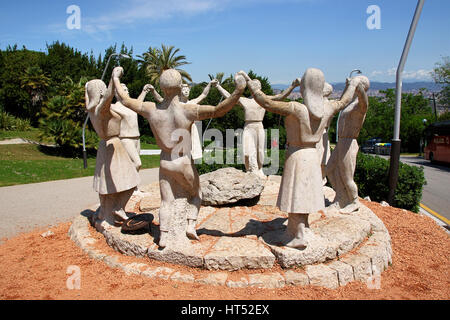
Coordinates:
(362, 98)
(203, 95)
(155, 94)
(283, 95)
(202, 112)
(349, 92)
(142, 108)
(279, 107)
(105, 103)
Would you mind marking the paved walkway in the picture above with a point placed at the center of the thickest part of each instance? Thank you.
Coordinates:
(39, 205)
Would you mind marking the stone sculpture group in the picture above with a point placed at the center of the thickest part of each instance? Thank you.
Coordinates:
(172, 121)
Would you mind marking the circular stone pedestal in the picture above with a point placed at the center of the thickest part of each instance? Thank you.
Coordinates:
(342, 248)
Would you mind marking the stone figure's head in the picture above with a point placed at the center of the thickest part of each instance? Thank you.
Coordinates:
(170, 81)
(312, 90)
(94, 92)
(327, 90)
(185, 90)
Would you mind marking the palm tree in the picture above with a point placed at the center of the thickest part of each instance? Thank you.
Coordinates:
(36, 83)
(219, 76)
(157, 60)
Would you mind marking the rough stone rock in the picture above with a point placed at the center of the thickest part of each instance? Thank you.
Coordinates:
(384, 204)
(229, 185)
(238, 253)
(47, 234)
(344, 272)
(215, 279)
(319, 249)
(296, 278)
(362, 266)
(346, 232)
(159, 272)
(182, 277)
(322, 276)
(268, 281)
(242, 283)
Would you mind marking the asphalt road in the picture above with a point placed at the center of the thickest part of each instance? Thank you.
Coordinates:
(436, 193)
(40, 205)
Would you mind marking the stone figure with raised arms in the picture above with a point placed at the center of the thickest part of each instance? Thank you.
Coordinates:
(171, 122)
(115, 176)
(197, 152)
(301, 189)
(342, 164)
(254, 135)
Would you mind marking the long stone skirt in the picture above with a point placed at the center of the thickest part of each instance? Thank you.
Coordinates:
(301, 189)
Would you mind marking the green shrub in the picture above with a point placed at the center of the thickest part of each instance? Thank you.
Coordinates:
(372, 175)
(9, 122)
(205, 167)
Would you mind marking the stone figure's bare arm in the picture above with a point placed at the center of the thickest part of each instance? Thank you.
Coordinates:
(363, 99)
(283, 95)
(203, 95)
(349, 93)
(202, 112)
(279, 107)
(155, 94)
(142, 108)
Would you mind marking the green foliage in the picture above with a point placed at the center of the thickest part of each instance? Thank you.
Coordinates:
(441, 75)
(380, 119)
(444, 116)
(63, 116)
(9, 122)
(14, 97)
(371, 176)
(157, 60)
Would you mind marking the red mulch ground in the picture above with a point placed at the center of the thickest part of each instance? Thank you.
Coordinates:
(33, 267)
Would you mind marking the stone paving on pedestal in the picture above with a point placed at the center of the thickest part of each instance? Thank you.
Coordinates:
(342, 248)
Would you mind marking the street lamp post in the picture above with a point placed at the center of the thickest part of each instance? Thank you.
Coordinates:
(121, 55)
(396, 142)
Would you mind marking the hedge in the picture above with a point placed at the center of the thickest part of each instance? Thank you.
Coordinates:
(371, 176)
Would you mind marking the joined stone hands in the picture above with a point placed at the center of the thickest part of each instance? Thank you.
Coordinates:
(148, 88)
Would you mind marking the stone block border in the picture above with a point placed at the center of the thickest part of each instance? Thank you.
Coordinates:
(363, 264)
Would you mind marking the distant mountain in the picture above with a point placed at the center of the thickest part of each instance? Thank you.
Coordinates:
(375, 86)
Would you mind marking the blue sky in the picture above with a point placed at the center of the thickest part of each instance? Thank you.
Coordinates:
(275, 38)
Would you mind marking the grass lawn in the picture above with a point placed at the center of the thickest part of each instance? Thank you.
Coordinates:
(26, 163)
(32, 134)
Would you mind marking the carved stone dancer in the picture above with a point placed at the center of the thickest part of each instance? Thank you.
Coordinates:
(342, 164)
(197, 152)
(323, 147)
(301, 190)
(171, 122)
(115, 173)
(254, 137)
(129, 130)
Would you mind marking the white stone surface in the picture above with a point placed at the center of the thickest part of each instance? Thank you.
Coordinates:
(322, 276)
(229, 185)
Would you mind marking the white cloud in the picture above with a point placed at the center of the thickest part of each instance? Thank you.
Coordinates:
(132, 11)
(420, 75)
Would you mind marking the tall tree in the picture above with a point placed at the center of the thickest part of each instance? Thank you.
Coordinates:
(156, 60)
(36, 83)
(441, 75)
